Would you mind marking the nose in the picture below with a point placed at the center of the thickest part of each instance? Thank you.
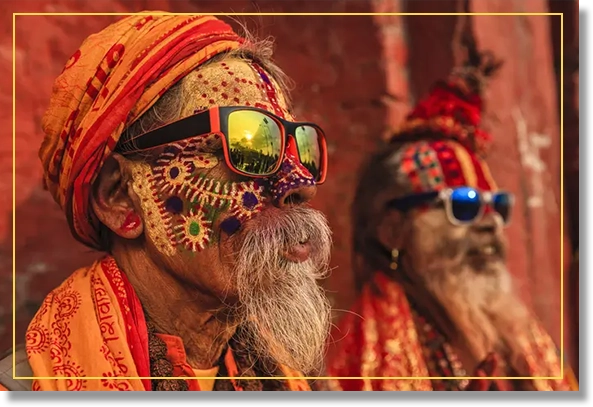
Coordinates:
(297, 196)
(293, 184)
(491, 222)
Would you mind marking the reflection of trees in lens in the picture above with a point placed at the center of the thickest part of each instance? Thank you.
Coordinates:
(263, 139)
(252, 161)
(312, 167)
(245, 157)
(308, 149)
(258, 151)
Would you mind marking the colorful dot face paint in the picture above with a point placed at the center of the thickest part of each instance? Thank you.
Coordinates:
(182, 202)
(235, 82)
(292, 175)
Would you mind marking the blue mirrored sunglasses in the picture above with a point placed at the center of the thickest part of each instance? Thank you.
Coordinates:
(463, 205)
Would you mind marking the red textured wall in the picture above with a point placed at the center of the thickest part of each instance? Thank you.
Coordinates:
(355, 76)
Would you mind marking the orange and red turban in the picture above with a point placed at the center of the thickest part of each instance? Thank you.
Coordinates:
(443, 141)
(116, 76)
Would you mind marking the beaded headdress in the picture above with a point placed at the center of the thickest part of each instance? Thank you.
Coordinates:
(443, 143)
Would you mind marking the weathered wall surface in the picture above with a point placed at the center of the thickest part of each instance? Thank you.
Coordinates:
(355, 76)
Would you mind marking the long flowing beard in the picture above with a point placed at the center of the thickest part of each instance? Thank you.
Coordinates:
(285, 313)
(483, 306)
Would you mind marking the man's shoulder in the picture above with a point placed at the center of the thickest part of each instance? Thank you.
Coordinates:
(21, 368)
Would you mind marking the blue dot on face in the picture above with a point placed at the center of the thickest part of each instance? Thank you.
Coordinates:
(265, 77)
(230, 225)
(174, 205)
(249, 200)
(174, 172)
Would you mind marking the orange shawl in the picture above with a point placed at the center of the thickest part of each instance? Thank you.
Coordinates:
(116, 76)
(379, 339)
(93, 326)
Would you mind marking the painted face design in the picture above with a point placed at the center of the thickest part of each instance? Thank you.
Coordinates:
(292, 175)
(182, 202)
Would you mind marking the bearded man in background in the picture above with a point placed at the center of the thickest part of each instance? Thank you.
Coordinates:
(436, 296)
(170, 145)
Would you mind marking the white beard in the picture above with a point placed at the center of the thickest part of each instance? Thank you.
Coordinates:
(482, 305)
(285, 313)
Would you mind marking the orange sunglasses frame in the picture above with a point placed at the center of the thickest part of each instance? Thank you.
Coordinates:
(195, 125)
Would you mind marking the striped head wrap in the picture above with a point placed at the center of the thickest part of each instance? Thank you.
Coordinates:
(116, 76)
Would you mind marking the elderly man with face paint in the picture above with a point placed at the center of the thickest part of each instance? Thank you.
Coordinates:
(170, 145)
(436, 298)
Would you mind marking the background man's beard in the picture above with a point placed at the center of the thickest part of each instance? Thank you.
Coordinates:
(482, 305)
(285, 313)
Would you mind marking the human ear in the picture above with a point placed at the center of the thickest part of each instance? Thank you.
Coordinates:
(112, 199)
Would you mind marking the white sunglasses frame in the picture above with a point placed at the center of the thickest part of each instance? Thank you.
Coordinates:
(486, 199)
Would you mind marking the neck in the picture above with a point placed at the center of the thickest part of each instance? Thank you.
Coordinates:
(174, 309)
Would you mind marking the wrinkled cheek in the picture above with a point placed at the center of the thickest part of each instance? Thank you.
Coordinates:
(183, 206)
(210, 201)
(156, 225)
(444, 243)
(173, 223)
(188, 227)
(459, 234)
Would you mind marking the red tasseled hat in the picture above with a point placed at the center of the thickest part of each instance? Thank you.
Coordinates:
(453, 108)
(442, 139)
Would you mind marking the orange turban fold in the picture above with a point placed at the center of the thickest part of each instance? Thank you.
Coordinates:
(116, 76)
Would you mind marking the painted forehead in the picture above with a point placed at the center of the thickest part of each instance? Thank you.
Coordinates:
(234, 82)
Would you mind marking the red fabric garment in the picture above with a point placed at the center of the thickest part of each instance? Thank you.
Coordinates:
(379, 338)
(93, 326)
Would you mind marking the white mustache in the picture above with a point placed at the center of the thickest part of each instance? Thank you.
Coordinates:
(285, 312)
